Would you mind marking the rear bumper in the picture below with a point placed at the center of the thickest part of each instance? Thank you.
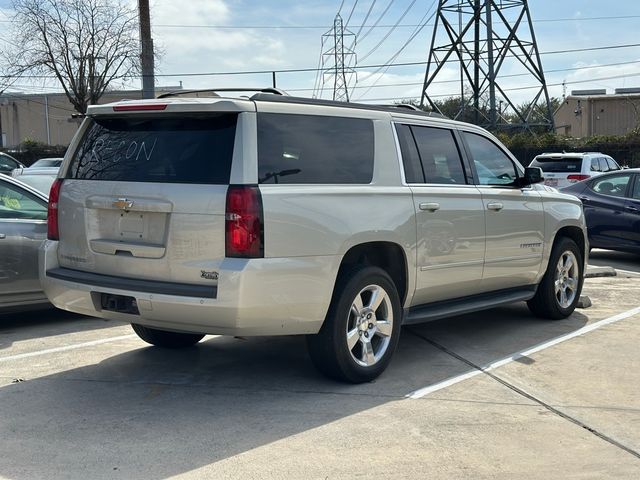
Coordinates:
(271, 296)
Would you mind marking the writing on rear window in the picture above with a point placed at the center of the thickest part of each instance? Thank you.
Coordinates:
(163, 150)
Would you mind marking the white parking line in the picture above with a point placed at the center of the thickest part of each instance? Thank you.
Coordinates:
(422, 392)
(66, 348)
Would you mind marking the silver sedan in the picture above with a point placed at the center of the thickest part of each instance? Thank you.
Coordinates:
(23, 227)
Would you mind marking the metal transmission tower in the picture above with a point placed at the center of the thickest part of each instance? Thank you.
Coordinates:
(337, 60)
(490, 40)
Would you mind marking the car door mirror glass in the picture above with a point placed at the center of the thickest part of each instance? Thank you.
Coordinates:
(532, 175)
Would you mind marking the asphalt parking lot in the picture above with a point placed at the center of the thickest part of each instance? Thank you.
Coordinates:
(497, 394)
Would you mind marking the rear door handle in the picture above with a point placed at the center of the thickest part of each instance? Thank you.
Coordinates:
(430, 207)
(497, 206)
(584, 199)
(632, 208)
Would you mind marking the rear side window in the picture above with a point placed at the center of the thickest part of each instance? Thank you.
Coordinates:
(314, 149)
(595, 165)
(558, 165)
(162, 150)
(439, 154)
(612, 185)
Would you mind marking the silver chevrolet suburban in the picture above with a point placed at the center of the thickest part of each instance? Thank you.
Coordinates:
(276, 215)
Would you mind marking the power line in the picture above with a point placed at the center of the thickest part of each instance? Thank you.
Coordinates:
(368, 54)
(449, 95)
(350, 14)
(407, 84)
(359, 67)
(374, 25)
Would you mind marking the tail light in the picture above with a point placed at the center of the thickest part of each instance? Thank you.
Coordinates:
(244, 224)
(577, 178)
(52, 210)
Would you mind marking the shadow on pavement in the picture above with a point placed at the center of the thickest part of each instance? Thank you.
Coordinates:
(619, 260)
(19, 326)
(150, 413)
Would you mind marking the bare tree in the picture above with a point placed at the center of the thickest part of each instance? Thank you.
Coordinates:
(87, 45)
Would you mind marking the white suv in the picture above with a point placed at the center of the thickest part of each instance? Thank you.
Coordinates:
(275, 215)
(564, 169)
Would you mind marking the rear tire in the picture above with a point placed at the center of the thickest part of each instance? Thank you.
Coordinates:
(165, 339)
(559, 291)
(361, 329)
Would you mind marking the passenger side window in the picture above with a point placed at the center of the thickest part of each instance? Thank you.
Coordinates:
(614, 186)
(595, 165)
(410, 159)
(439, 155)
(494, 167)
(16, 204)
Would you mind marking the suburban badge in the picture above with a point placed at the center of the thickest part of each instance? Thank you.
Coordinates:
(209, 275)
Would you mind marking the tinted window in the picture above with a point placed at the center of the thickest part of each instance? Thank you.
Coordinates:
(16, 203)
(47, 162)
(493, 165)
(439, 155)
(558, 165)
(636, 189)
(165, 150)
(595, 165)
(412, 170)
(612, 185)
(314, 149)
(6, 163)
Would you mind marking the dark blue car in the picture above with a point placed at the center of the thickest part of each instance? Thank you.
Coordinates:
(612, 209)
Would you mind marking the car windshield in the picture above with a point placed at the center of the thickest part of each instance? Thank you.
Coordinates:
(551, 164)
(47, 162)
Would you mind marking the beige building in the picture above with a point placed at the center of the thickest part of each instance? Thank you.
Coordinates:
(47, 118)
(588, 113)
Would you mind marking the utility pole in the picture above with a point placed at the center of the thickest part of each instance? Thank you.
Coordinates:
(146, 50)
(336, 60)
(494, 39)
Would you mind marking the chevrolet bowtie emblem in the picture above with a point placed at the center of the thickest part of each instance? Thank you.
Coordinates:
(123, 204)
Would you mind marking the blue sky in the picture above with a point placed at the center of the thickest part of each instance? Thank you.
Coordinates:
(183, 30)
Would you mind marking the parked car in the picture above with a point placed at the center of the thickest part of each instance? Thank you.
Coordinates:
(40, 175)
(23, 227)
(8, 164)
(563, 169)
(44, 165)
(612, 209)
(275, 215)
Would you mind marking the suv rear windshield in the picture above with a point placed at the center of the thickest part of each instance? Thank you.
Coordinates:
(569, 164)
(314, 149)
(159, 150)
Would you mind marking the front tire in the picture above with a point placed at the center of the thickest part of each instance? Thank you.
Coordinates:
(362, 327)
(559, 291)
(165, 339)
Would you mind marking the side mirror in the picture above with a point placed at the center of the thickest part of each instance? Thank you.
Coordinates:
(531, 176)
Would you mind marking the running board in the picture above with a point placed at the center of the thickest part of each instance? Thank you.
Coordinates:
(460, 306)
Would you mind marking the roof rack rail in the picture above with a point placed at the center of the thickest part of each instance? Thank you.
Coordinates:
(414, 108)
(177, 93)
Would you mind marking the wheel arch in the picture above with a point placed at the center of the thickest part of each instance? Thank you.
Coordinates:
(576, 234)
(389, 256)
